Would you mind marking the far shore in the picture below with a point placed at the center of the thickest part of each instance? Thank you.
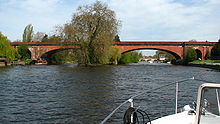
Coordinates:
(213, 64)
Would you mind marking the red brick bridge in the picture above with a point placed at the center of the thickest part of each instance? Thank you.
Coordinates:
(177, 49)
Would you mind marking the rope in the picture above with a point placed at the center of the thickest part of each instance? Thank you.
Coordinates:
(140, 111)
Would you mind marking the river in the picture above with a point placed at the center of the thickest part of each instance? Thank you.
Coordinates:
(86, 95)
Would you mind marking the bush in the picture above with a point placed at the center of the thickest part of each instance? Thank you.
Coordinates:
(115, 55)
(130, 57)
(206, 62)
(190, 55)
(215, 53)
(24, 52)
(6, 50)
(61, 57)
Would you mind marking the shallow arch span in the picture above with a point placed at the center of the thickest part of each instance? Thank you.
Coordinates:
(176, 51)
(49, 53)
(177, 57)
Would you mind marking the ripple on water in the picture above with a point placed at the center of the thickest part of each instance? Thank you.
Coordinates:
(71, 94)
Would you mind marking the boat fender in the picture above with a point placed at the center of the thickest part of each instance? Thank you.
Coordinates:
(128, 114)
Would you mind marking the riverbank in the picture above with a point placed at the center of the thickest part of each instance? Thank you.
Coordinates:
(7, 63)
(213, 64)
(3, 62)
(216, 67)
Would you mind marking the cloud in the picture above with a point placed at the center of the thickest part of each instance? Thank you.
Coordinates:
(36, 6)
(42, 14)
(141, 19)
(164, 19)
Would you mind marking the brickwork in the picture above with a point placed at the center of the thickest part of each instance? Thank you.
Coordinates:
(177, 49)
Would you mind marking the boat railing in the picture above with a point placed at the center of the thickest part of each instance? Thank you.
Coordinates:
(131, 99)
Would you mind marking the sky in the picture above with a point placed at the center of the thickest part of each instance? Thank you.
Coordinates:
(141, 20)
(176, 20)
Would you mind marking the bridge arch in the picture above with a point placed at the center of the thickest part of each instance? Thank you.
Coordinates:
(29, 54)
(48, 53)
(173, 51)
(199, 54)
(58, 56)
(39, 51)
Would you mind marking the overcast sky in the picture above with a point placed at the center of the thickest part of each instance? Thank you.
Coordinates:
(141, 19)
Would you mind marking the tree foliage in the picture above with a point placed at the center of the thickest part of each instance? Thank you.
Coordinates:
(115, 55)
(93, 27)
(61, 57)
(53, 38)
(6, 51)
(24, 52)
(45, 38)
(28, 33)
(130, 57)
(117, 39)
(38, 37)
(193, 40)
(208, 55)
(190, 55)
(215, 52)
(56, 58)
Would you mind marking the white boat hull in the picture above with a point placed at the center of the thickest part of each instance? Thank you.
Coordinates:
(179, 118)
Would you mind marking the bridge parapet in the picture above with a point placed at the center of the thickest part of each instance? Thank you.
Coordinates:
(164, 43)
(45, 43)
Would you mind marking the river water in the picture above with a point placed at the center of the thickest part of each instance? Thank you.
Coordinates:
(86, 95)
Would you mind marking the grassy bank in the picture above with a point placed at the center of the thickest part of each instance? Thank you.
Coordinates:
(213, 64)
(206, 62)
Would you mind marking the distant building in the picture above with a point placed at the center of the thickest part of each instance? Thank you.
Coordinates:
(162, 57)
(148, 59)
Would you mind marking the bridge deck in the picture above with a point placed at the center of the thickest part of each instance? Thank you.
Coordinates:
(120, 43)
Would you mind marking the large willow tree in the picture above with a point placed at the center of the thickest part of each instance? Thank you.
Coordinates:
(93, 27)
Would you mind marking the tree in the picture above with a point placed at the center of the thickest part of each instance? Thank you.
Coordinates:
(117, 39)
(6, 51)
(115, 55)
(130, 57)
(45, 38)
(61, 57)
(24, 52)
(54, 38)
(38, 36)
(93, 27)
(193, 40)
(190, 55)
(28, 33)
(208, 55)
(215, 52)
(57, 58)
